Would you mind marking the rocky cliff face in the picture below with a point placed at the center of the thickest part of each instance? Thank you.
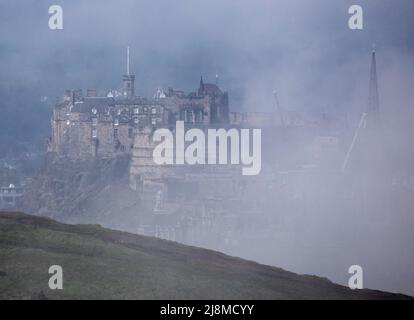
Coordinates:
(64, 188)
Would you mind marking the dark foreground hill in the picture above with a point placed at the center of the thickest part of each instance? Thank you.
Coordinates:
(100, 263)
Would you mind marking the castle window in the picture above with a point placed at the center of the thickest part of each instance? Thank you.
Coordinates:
(136, 110)
(145, 109)
(116, 122)
(94, 121)
(94, 133)
(94, 111)
(154, 121)
(154, 110)
(116, 133)
(130, 133)
(136, 120)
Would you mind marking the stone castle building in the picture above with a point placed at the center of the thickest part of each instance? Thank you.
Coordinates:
(89, 126)
(120, 123)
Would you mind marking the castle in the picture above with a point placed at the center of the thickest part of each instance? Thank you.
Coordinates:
(90, 126)
(199, 204)
(121, 124)
(85, 126)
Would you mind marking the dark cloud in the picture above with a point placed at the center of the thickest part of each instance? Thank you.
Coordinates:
(297, 47)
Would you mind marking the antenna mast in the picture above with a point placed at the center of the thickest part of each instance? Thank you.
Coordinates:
(128, 60)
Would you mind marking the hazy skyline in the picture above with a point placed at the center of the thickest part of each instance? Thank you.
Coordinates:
(302, 49)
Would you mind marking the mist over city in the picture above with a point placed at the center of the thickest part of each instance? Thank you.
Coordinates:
(80, 107)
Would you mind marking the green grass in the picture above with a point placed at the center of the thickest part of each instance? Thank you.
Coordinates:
(105, 264)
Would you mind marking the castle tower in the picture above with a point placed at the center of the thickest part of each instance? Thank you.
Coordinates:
(373, 101)
(128, 81)
(201, 88)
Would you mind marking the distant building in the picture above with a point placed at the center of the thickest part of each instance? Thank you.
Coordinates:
(88, 126)
(176, 202)
(9, 196)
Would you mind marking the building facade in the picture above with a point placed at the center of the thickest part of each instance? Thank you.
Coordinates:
(85, 126)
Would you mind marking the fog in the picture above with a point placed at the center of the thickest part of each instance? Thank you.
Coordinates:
(302, 49)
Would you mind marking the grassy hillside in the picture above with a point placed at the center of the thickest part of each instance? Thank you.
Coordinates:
(104, 264)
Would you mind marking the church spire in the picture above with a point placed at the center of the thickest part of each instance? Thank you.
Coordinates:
(373, 102)
(201, 88)
(201, 83)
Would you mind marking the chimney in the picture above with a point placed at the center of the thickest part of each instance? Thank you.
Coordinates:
(91, 93)
(78, 94)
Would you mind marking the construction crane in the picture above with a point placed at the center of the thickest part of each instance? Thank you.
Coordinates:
(354, 139)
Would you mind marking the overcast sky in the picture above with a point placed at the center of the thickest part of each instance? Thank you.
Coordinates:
(303, 49)
(296, 47)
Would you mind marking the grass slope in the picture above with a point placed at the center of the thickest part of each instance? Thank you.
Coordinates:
(100, 263)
